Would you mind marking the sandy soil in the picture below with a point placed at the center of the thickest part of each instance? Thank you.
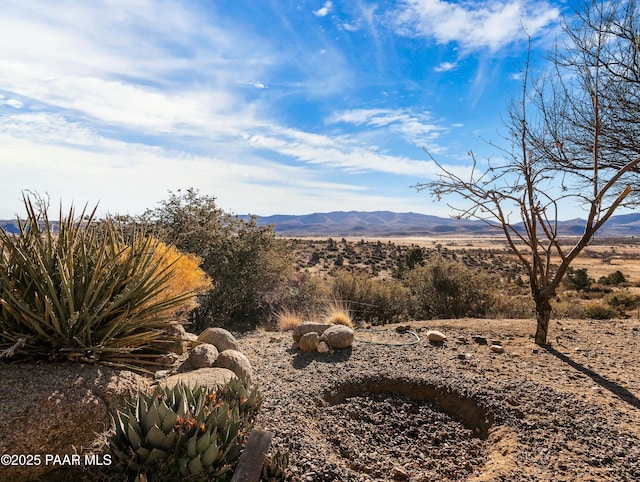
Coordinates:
(397, 408)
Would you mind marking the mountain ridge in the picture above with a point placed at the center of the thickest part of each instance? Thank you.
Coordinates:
(393, 224)
(389, 223)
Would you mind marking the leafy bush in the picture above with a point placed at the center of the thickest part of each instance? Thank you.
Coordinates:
(371, 300)
(182, 433)
(84, 293)
(448, 289)
(577, 279)
(599, 311)
(511, 306)
(613, 279)
(248, 265)
(624, 301)
(306, 295)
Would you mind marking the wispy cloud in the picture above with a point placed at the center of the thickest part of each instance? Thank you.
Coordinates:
(324, 11)
(488, 24)
(416, 128)
(445, 67)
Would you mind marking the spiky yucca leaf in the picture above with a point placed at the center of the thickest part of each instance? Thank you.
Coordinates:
(84, 292)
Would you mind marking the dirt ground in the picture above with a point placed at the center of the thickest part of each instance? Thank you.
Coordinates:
(568, 411)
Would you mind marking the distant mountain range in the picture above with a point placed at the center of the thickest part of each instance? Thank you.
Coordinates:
(390, 224)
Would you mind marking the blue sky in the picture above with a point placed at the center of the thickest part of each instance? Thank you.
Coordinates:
(271, 106)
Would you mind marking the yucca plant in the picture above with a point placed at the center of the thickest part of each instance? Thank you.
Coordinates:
(184, 433)
(82, 292)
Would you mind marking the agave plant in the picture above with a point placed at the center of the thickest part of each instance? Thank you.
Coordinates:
(184, 432)
(82, 292)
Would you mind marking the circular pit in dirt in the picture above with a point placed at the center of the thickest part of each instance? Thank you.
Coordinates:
(430, 431)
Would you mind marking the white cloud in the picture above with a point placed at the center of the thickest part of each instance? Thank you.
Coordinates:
(490, 24)
(15, 103)
(324, 11)
(445, 66)
(417, 128)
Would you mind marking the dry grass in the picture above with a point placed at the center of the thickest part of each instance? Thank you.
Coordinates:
(338, 314)
(288, 320)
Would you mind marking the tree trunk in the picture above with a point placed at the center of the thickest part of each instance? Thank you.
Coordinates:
(543, 315)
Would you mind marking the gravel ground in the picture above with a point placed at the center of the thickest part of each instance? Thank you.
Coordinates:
(392, 408)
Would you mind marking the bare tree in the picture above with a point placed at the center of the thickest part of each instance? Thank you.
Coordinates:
(572, 142)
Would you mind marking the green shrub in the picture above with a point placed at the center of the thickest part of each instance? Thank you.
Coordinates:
(613, 279)
(599, 311)
(577, 279)
(511, 306)
(184, 433)
(623, 301)
(371, 300)
(248, 265)
(448, 289)
(83, 293)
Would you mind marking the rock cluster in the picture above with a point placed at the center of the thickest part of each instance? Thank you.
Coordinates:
(322, 337)
(212, 359)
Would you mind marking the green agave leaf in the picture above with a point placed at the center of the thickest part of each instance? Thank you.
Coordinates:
(212, 453)
(203, 442)
(155, 437)
(169, 441)
(170, 418)
(155, 456)
(142, 453)
(134, 438)
(151, 419)
(195, 466)
(191, 448)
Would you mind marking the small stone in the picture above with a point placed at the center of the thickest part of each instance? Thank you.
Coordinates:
(480, 340)
(436, 336)
(497, 348)
(323, 347)
(398, 474)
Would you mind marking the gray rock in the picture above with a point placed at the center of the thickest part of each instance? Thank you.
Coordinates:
(58, 408)
(309, 327)
(202, 356)
(172, 340)
(338, 336)
(309, 342)
(436, 336)
(208, 377)
(238, 363)
(220, 338)
(323, 347)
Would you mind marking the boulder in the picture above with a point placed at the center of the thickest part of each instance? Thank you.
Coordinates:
(238, 363)
(208, 377)
(497, 348)
(190, 337)
(220, 338)
(58, 408)
(338, 336)
(175, 343)
(202, 356)
(309, 327)
(436, 336)
(309, 342)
